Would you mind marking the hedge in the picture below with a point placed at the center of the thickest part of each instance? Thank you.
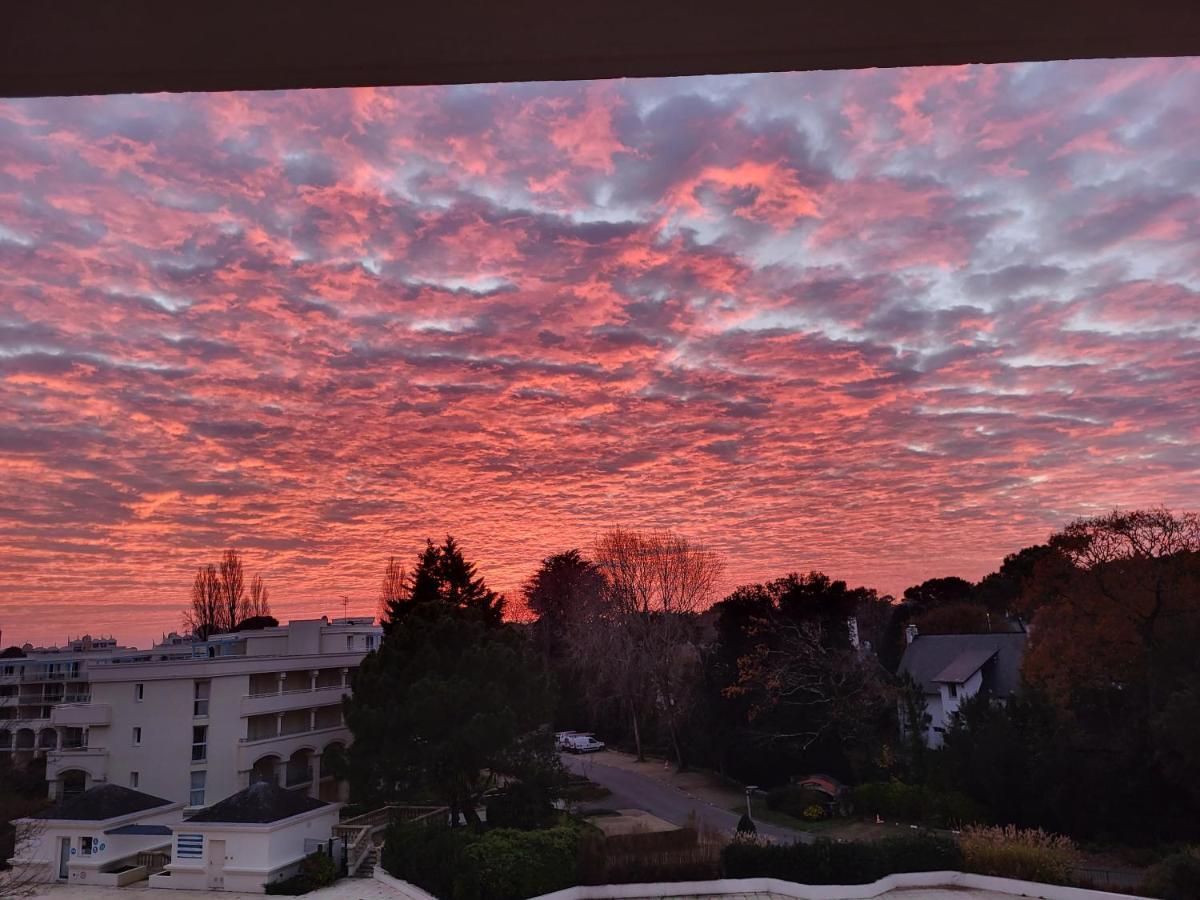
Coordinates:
(916, 803)
(826, 862)
(1176, 877)
(500, 864)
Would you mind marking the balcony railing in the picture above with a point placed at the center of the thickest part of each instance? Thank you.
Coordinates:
(260, 695)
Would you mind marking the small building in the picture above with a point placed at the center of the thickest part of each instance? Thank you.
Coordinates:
(108, 835)
(248, 840)
(951, 668)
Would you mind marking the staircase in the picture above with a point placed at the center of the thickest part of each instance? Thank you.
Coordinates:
(366, 868)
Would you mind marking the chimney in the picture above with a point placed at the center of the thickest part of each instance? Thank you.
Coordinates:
(852, 631)
(910, 633)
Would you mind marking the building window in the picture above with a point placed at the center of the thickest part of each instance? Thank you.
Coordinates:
(200, 692)
(196, 794)
(133, 779)
(139, 692)
(199, 743)
(87, 845)
(370, 642)
(349, 642)
(137, 735)
(953, 690)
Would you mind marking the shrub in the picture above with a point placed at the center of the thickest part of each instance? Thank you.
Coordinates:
(826, 862)
(500, 864)
(916, 803)
(429, 856)
(794, 800)
(316, 870)
(520, 805)
(508, 864)
(1026, 853)
(1176, 877)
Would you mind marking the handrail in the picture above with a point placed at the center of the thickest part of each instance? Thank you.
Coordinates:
(265, 695)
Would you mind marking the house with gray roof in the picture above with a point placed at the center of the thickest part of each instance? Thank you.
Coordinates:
(950, 668)
(107, 836)
(249, 840)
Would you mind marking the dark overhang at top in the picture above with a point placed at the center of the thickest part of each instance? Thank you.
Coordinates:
(60, 47)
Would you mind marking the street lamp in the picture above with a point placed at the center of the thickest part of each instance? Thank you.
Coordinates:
(750, 789)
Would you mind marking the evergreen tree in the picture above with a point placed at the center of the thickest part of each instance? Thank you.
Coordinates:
(450, 695)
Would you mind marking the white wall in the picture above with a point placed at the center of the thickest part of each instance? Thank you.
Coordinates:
(163, 761)
(254, 854)
(40, 852)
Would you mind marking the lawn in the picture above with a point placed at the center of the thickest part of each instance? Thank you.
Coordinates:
(848, 829)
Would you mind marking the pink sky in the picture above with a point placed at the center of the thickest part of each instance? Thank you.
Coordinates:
(890, 324)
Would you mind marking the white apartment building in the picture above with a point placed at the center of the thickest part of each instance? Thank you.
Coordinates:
(31, 686)
(195, 722)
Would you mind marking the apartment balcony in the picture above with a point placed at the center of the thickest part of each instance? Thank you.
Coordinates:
(92, 760)
(277, 702)
(284, 745)
(81, 715)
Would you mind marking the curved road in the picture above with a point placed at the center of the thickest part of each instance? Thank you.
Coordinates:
(633, 791)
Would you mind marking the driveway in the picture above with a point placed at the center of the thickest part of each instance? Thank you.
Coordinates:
(634, 790)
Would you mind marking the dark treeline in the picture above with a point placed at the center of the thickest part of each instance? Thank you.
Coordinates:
(772, 682)
(797, 675)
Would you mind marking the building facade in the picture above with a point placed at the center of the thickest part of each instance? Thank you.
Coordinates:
(195, 722)
(33, 685)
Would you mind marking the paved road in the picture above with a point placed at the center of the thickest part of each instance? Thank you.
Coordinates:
(633, 791)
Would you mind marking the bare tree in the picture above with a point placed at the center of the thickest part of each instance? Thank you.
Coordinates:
(234, 607)
(203, 616)
(32, 861)
(655, 584)
(259, 604)
(392, 590)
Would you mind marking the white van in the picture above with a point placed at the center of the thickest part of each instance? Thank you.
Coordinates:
(582, 743)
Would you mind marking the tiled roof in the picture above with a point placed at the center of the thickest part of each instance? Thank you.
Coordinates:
(936, 658)
(104, 801)
(261, 803)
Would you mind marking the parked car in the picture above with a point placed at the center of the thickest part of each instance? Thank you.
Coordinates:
(582, 743)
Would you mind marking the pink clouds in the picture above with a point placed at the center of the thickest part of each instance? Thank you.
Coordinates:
(892, 324)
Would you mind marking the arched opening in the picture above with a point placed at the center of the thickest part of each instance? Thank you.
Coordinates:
(71, 783)
(299, 769)
(25, 739)
(265, 769)
(47, 739)
(6, 739)
(333, 788)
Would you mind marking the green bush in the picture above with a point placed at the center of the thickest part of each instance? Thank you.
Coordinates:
(794, 800)
(508, 864)
(428, 856)
(520, 805)
(916, 803)
(1029, 854)
(316, 870)
(826, 862)
(500, 864)
(1177, 877)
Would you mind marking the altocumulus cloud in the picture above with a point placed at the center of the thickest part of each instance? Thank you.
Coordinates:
(854, 321)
